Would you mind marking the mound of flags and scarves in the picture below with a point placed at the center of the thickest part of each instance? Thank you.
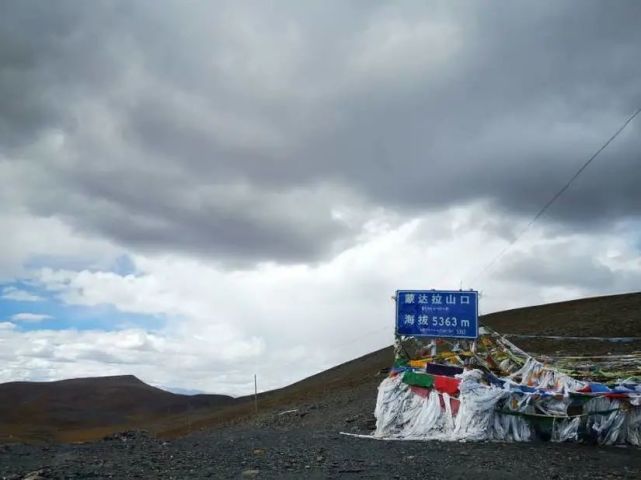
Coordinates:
(492, 390)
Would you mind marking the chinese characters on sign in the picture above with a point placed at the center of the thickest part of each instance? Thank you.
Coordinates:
(435, 313)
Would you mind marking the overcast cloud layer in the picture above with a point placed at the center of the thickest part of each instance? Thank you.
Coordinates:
(273, 172)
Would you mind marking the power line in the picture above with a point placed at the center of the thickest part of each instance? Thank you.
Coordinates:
(555, 197)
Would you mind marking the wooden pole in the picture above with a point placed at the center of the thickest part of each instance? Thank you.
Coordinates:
(255, 394)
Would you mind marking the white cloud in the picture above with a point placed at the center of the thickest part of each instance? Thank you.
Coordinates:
(158, 358)
(394, 46)
(37, 239)
(19, 295)
(30, 317)
(287, 322)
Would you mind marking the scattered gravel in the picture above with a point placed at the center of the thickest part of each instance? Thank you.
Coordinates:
(289, 451)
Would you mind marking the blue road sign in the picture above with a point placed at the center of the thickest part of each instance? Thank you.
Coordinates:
(437, 313)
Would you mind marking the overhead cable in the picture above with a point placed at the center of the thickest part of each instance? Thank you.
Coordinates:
(554, 198)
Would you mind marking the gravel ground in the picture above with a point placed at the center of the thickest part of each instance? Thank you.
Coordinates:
(250, 452)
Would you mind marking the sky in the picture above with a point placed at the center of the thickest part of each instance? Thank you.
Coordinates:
(194, 192)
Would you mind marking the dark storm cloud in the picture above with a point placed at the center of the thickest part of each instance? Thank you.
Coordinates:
(578, 268)
(237, 129)
(50, 55)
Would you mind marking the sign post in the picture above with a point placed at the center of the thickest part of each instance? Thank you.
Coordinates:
(437, 313)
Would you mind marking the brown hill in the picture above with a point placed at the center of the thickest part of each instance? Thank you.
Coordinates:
(84, 409)
(610, 316)
(52, 410)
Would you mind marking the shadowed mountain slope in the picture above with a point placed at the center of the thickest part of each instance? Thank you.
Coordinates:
(46, 410)
(610, 316)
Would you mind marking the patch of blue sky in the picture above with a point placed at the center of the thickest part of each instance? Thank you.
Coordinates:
(62, 316)
(181, 391)
(630, 230)
(123, 265)
(22, 288)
